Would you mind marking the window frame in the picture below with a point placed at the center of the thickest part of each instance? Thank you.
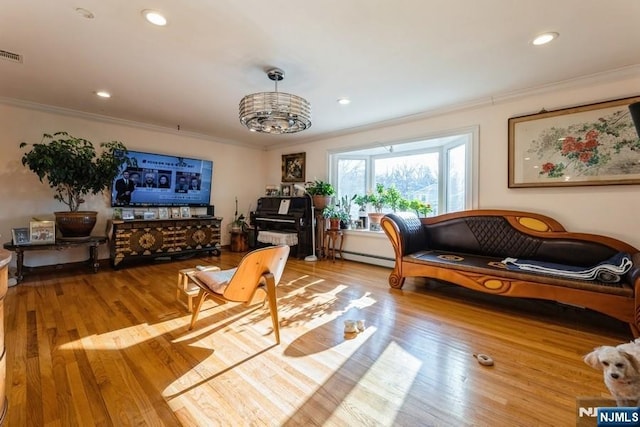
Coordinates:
(471, 160)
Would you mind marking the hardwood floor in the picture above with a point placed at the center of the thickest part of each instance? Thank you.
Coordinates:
(113, 348)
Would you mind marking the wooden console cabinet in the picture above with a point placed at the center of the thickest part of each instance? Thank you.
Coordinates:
(140, 239)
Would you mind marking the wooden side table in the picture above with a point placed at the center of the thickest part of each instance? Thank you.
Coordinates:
(334, 238)
(185, 287)
(239, 241)
(91, 242)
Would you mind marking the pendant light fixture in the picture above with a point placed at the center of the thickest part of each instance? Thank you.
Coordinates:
(275, 112)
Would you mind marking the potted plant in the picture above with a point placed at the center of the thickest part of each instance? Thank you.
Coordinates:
(421, 209)
(335, 214)
(238, 225)
(378, 199)
(321, 193)
(362, 200)
(73, 169)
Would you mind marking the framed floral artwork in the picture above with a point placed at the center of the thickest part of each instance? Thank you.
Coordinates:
(293, 167)
(593, 144)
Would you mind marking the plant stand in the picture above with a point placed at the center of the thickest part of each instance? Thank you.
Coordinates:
(239, 241)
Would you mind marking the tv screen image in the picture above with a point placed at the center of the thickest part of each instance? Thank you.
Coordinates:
(163, 180)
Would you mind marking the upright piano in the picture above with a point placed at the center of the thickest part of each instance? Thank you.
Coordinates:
(288, 216)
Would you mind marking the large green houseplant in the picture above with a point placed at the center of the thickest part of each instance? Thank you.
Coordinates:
(321, 193)
(73, 169)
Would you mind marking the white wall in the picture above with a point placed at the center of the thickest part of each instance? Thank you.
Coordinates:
(238, 171)
(610, 210)
(244, 172)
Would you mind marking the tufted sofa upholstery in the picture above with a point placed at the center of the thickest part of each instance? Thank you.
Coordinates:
(466, 248)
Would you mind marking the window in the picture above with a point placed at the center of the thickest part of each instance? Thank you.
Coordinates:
(440, 170)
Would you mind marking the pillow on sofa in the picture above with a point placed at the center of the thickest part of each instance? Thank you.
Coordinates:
(216, 280)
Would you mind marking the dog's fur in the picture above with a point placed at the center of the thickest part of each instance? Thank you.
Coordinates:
(621, 369)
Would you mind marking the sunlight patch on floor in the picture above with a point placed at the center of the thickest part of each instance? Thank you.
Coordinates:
(396, 368)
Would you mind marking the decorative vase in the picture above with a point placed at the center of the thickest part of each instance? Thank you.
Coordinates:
(77, 224)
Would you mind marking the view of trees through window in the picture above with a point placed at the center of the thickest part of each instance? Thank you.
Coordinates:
(415, 176)
(433, 171)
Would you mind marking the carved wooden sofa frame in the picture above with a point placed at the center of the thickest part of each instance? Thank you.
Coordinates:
(465, 248)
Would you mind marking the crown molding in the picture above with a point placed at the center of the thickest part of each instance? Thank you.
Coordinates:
(632, 71)
(121, 122)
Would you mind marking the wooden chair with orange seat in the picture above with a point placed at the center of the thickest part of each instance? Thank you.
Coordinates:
(260, 269)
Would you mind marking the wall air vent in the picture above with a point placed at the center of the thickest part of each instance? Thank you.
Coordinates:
(10, 56)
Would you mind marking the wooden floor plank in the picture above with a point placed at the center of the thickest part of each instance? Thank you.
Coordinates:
(113, 348)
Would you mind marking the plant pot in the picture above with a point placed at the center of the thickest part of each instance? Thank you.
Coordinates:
(321, 202)
(334, 223)
(374, 220)
(76, 225)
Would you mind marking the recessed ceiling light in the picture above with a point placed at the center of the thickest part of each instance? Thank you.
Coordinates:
(155, 17)
(103, 94)
(85, 13)
(344, 101)
(545, 38)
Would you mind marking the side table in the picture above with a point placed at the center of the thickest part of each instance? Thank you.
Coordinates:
(334, 238)
(91, 242)
(187, 288)
(239, 241)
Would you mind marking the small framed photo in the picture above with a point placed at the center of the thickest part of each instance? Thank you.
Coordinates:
(117, 213)
(286, 190)
(185, 212)
(163, 213)
(150, 214)
(42, 232)
(20, 236)
(127, 214)
(271, 190)
(175, 212)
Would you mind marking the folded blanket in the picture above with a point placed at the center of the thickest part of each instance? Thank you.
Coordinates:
(608, 271)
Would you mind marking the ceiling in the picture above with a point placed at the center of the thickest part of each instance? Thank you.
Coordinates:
(393, 59)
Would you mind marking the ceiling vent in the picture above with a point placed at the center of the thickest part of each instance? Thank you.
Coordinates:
(10, 56)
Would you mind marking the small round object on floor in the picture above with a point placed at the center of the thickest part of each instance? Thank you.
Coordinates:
(483, 359)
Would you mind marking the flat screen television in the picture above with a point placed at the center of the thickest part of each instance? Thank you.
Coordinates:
(163, 180)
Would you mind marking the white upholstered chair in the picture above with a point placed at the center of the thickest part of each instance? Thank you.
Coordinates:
(258, 269)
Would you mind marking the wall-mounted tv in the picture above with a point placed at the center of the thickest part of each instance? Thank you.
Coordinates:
(163, 180)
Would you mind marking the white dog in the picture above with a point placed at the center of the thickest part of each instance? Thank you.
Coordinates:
(621, 369)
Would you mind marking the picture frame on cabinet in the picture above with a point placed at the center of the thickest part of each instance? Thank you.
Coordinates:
(163, 213)
(185, 212)
(175, 212)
